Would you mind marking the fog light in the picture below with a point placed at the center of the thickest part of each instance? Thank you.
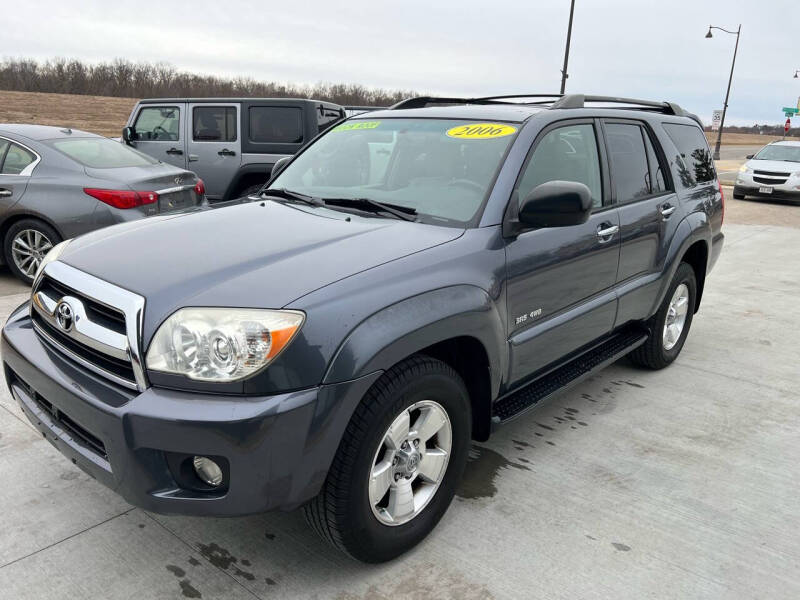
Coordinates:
(207, 470)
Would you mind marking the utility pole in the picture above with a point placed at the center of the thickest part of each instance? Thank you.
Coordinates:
(564, 74)
(730, 79)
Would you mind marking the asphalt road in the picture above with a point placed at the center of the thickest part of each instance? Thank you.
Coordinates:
(680, 483)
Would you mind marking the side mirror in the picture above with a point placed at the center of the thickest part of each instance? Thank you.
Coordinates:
(556, 204)
(128, 135)
(749, 156)
(279, 166)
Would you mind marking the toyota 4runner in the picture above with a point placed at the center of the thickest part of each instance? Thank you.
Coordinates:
(412, 279)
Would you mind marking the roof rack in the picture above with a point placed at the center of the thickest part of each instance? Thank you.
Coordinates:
(580, 100)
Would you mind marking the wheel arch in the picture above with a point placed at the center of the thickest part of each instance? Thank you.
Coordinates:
(10, 220)
(247, 175)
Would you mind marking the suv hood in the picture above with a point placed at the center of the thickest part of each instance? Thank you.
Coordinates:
(778, 166)
(260, 254)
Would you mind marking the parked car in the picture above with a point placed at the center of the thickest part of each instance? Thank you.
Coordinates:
(232, 143)
(774, 172)
(57, 183)
(410, 280)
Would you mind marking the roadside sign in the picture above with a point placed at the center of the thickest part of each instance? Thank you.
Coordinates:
(716, 119)
(787, 125)
(798, 104)
(791, 109)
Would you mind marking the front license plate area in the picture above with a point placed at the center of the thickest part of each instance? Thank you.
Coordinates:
(764, 190)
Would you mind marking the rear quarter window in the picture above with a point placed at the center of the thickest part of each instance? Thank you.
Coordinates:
(276, 125)
(694, 163)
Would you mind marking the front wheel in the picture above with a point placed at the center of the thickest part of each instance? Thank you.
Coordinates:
(27, 242)
(670, 325)
(399, 463)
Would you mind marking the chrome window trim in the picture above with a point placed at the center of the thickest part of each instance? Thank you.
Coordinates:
(27, 171)
(172, 190)
(108, 294)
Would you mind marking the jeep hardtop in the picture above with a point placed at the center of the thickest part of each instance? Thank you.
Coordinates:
(406, 283)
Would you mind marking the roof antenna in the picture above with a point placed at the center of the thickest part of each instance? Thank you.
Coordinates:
(66, 130)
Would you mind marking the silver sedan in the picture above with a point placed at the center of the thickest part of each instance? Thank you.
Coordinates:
(57, 183)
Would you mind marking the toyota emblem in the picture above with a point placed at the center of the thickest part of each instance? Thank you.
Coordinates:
(64, 316)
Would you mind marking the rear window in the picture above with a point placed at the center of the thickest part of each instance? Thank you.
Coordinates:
(276, 125)
(100, 153)
(695, 165)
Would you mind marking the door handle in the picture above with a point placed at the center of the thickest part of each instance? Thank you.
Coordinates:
(226, 152)
(174, 151)
(4, 193)
(667, 210)
(193, 158)
(606, 232)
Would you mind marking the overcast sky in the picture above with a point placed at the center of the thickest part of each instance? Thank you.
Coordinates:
(639, 48)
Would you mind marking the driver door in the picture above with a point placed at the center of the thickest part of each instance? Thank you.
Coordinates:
(160, 132)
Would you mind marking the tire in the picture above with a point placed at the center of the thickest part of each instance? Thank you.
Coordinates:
(738, 196)
(343, 513)
(25, 232)
(656, 352)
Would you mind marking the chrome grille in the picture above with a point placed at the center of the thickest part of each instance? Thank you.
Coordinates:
(91, 321)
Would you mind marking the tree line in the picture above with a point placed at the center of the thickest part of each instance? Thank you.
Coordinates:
(127, 79)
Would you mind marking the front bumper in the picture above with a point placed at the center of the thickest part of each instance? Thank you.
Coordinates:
(746, 186)
(277, 449)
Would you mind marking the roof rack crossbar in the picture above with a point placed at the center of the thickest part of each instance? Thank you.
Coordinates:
(580, 100)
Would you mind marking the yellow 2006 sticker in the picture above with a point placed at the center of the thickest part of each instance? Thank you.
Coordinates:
(357, 125)
(481, 131)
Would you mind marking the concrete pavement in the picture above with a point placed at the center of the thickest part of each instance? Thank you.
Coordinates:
(681, 483)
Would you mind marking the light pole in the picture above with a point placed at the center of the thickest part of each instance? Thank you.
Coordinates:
(566, 51)
(730, 79)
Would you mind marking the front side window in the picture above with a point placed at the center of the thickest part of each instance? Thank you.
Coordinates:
(565, 154)
(693, 162)
(442, 168)
(214, 124)
(16, 159)
(779, 152)
(629, 170)
(276, 125)
(158, 123)
(100, 153)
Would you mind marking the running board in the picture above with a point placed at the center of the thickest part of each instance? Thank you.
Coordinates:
(567, 375)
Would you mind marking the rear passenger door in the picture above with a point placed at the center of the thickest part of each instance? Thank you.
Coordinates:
(160, 132)
(648, 212)
(214, 145)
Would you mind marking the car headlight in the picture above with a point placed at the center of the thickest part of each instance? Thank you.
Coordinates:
(52, 255)
(221, 344)
(745, 169)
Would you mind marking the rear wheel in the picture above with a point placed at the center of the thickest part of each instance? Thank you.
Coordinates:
(670, 325)
(26, 244)
(398, 464)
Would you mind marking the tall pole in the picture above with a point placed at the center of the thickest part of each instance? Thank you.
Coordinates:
(566, 51)
(727, 93)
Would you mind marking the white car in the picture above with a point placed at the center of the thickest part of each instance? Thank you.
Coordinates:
(772, 173)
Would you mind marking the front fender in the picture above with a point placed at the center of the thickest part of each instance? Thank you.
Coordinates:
(400, 330)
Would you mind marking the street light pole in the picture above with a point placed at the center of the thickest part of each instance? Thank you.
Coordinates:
(566, 51)
(730, 80)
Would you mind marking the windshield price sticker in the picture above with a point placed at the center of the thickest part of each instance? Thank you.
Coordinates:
(481, 131)
(357, 125)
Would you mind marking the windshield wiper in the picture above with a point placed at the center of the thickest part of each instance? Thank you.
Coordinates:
(368, 204)
(291, 195)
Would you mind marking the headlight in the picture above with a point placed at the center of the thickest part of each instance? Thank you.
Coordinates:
(221, 344)
(745, 169)
(52, 255)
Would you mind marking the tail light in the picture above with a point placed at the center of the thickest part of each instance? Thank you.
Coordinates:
(200, 188)
(722, 200)
(123, 198)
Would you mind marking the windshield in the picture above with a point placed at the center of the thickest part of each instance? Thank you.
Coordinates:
(100, 153)
(441, 168)
(779, 152)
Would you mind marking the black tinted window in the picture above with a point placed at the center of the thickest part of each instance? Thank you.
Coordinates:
(214, 124)
(693, 162)
(17, 158)
(629, 170)
(160, 123)
(658, 182)
(565, 154)
(327, 116)
(276, 125)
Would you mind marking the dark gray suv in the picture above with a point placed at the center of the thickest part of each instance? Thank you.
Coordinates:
(412, 279)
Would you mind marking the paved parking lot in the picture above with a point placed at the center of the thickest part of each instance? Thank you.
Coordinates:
(681, 483)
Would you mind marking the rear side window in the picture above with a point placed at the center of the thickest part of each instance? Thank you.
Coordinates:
(327, 116)
(694, 159)
(565, 154)
(276, 125)
(16, 159)
(629, 170)
(158, 123)
(658, 183)
(214, 124)
(100, 153)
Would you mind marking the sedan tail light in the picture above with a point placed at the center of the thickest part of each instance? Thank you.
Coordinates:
(123, 198)
(200, 188)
